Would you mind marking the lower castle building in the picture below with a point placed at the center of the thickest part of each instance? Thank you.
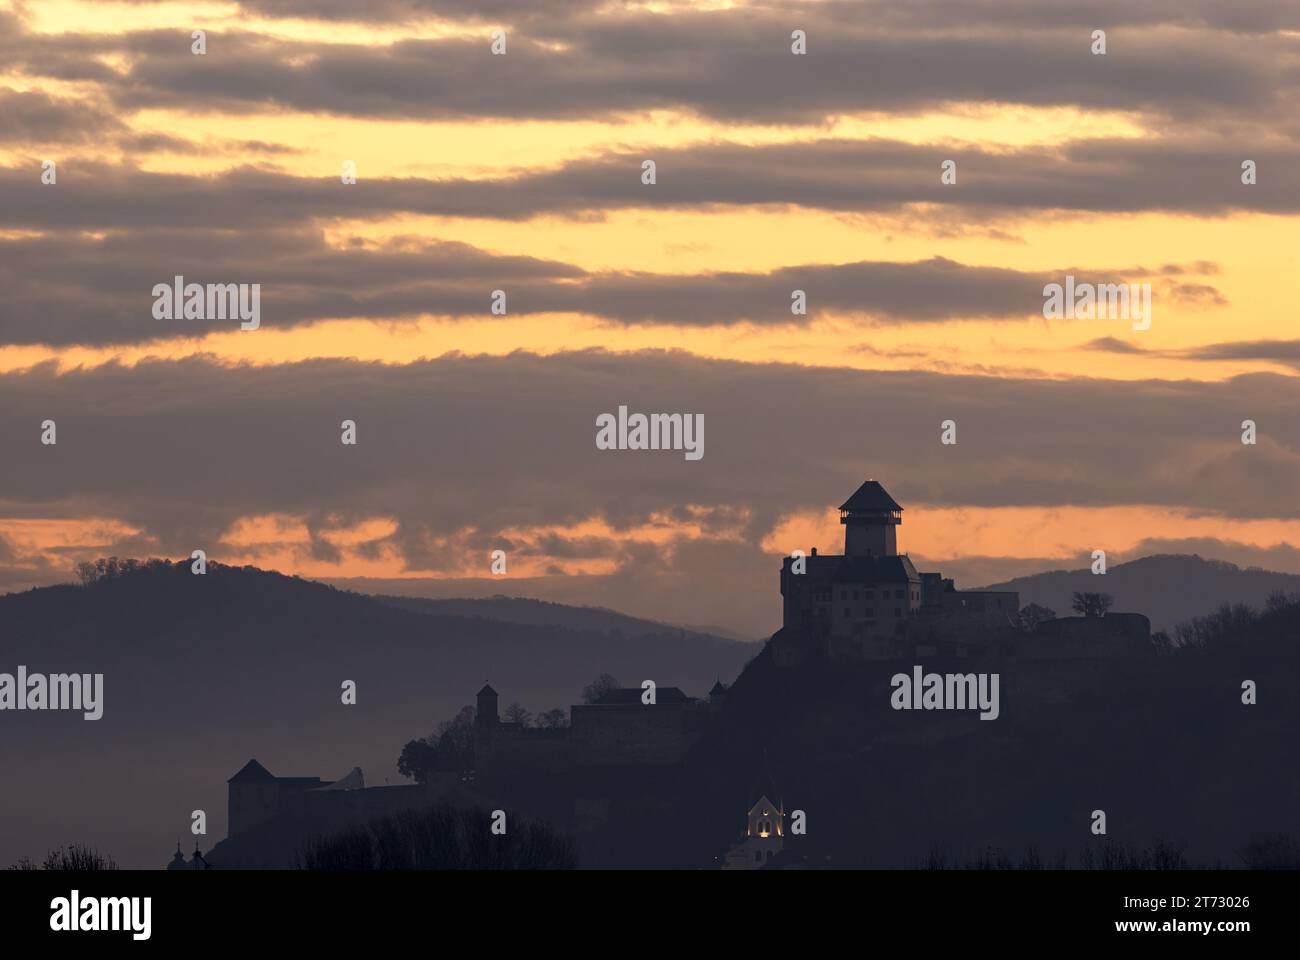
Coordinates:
(254, 795)
(618, 729)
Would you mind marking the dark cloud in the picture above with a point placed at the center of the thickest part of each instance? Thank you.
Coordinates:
(733, 65)
(184, 447)
(99, 290)
(1124, 175)
(844, 176)
(459, 449)
(1262, 16)
(1279, 351)
(1113, 345)
(1258, 16)
(78, 289)
(388, 11)
(30, 116)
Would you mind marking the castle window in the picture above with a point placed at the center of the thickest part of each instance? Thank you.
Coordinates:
(898, 612)
(758, 856)
(847, 613)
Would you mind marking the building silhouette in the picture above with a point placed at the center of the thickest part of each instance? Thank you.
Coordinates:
(764, 835)
(620, 728)
(255, 796)
(871, 602)
(196, 862)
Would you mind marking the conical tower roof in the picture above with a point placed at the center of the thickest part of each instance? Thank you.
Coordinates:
(870, 496)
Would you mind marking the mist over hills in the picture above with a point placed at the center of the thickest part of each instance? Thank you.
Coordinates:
(1168, 588)
(203, 672)
(532, 612)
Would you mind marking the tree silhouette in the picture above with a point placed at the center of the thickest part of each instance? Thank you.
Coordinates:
(593, 691)
(1091, 604)
(1031, 615)
(553, 719)
(1271, 851)
(441, 837)
(449, 748)
(78, 857)
(515, 713)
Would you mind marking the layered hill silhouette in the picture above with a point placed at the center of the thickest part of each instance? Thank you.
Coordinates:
(1168, 588)
(203, 672)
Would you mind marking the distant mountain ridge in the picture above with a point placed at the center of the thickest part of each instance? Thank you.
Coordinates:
(1168, 588)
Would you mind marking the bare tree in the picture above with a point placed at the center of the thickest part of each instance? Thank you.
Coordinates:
(553, 719)
(1092, 604)
(515, 713)
(1031, 615)
(602, 685)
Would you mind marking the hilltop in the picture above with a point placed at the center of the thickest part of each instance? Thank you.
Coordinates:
(1168, 588)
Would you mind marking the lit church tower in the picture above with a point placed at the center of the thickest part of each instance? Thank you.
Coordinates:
(870, 518)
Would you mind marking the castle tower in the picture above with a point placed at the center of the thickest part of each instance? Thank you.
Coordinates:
(485, 712)
(871, 518)
(252, 796)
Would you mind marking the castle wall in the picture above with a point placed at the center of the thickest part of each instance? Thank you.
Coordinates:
(248, 804)
(513, 748)
(631, 733)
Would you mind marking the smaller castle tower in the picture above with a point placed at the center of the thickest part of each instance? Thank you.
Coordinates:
(486, 717)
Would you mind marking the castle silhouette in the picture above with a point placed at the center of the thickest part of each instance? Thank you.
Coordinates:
(869, 603)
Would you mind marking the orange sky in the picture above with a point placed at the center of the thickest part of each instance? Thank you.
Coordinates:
(1253, 257)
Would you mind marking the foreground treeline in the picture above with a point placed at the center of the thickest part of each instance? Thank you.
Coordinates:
(441, 837)
(1239, 627)
(72, 857)
(1273, 851)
